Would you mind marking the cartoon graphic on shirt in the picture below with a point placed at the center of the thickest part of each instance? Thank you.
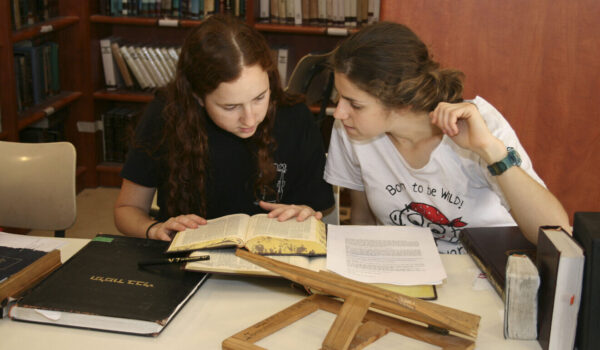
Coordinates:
(280, 184)
(425, 215)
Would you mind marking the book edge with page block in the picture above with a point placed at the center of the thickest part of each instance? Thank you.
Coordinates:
(521, 302)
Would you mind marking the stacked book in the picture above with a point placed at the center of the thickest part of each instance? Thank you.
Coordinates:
(332, 13)
(181, 9)
(36, 72)
(27, 12)
(137, 66)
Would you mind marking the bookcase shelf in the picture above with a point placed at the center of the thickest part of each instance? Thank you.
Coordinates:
(124, 96)
(69, 28)
(45, 27)
(46, 108)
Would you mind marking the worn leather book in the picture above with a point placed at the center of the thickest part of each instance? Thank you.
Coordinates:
(560, 263)
(21, 269)
(102, 287)
(586, 231)
(490, 248)
(257, 233)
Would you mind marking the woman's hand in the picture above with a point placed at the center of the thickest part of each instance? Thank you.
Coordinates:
(463, 123)
(286, 211)
(165, 230)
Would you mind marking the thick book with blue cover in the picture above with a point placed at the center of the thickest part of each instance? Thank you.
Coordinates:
(101, 287)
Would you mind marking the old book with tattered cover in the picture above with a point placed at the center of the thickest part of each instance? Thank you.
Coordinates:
(490, 248)
(102, 287)
(257, 233)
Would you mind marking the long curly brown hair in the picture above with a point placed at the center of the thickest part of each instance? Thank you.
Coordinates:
(390, 62)
(214, 52)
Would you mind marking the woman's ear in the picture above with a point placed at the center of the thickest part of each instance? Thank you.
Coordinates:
(198, 99)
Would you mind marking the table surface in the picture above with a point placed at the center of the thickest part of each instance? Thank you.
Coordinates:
(225, 305)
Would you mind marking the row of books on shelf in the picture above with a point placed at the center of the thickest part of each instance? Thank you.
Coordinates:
(118, 125)
(137, 66)
(28, 12)
(146, 67)
(36, 72)
(549, 290)
(340, 13)
(183, 9)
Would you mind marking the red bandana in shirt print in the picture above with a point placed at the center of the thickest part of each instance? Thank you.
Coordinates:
(425, 215)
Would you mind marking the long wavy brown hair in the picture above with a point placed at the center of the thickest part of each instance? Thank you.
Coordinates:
(390, 62)
(214, 52)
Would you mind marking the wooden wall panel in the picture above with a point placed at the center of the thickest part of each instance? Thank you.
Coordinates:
(538, 62)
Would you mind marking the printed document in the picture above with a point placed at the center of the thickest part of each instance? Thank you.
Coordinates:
(401, 255)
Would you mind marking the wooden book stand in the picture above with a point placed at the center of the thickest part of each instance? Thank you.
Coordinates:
(355, 325)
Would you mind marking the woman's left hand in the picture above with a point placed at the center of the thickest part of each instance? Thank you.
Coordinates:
(465, 126)
(284, 212)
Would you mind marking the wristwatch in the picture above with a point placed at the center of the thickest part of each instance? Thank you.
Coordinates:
(511, 159)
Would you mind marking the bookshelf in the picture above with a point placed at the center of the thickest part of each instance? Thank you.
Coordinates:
(300, 39)
(67, 27)
(78, 29)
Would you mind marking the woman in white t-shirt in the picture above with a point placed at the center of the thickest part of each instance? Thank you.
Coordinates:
(413, 152)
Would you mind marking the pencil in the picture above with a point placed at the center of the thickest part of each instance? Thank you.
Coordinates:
(180, 260)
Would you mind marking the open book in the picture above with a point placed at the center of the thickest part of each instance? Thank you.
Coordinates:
(225, 261)
(258, 233)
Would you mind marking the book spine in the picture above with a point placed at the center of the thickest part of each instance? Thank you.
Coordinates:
(110, 78)
(118, 58)
(492, 278)
(322, 12)
(134, 67)
(55, 68)
(142, 66)
(298, 12)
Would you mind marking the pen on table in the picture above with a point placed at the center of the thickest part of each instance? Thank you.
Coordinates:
(180, 260)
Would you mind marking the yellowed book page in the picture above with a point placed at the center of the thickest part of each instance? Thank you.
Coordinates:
(225, 261)
(269, 236)
(224, 231)
(426, 292)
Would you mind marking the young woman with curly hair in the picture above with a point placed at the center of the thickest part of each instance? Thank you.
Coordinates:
(223, 138)
(413, 152)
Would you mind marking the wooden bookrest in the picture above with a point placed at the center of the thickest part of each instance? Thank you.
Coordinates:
(355, 325)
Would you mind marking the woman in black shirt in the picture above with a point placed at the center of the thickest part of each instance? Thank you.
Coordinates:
(223, 138)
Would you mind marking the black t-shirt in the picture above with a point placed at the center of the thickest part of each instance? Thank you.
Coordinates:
(299, 158)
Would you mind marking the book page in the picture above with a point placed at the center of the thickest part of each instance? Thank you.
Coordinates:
(262, 225)
(269, 236)
(226, 230)
(400, 255)
(225, 261)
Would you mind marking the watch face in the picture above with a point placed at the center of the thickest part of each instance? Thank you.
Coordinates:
(511, 159)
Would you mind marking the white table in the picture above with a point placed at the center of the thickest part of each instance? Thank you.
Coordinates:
(225, 305)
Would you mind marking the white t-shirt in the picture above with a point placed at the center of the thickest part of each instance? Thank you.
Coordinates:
(452, 191)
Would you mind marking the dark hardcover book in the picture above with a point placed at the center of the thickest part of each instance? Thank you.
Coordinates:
(101, 287)
(490, 247)
(559, 260)
(55, 73)
(22, 268)
(34, 58)
(586, 230)
(13, 260)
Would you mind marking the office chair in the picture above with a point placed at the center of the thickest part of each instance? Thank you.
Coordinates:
(37, 186)
(313, 78)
